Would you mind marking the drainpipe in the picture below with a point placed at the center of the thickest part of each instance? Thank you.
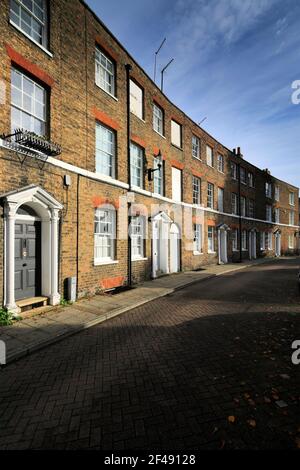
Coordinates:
(240, 212)
(128, 68)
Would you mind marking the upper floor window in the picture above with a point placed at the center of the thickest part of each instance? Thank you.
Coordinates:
(176, 184)
(244, 240)
(292, 218)
(31, 17)
(105, 72)
(233, 169)
(105, 230)
(137, 165)
(243, 175)
(251, 208)
(198, 245)
(220, 199)
(209, 156)
(251, 179)
(291, 242)
(176, 134)
(234, 204)
(277, 193)
(136, 100)
(28, 104)
(210, 195)
(235, 239)
(105, 150)
(196, 147)
(268, 189)
(269, 213)
(292, 199)
(196, 191)
(158, 119)
(243, 206)
(137, 234)
(158, 178)
(221, 163)
(277, 215)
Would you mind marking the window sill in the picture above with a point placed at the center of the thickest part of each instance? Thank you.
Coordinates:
(105, 262)
(141, 119)
(161, 135)
(197, 158)
(176, 146)
(139, 259)
(197, 253)
(107, 92)
(212, 252)
(31, 39)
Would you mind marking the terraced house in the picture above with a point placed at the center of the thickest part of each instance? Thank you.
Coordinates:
(113, 152)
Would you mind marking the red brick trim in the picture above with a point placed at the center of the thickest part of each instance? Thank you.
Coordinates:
(177, 165)
(197, 174)
(138, 81)
(197, 219)
(156, 152)
(176, 119)
(158, 102)
(33, 69)
(211, 223)
(105, 119)
(99, 41)
(137, 140)
(101, 201)
(112, 282)
(139, 210)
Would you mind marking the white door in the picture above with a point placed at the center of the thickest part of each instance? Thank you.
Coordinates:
(277, 244)
(223, 259)
(174, 249)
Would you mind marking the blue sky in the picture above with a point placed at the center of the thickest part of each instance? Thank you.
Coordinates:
(235, 61)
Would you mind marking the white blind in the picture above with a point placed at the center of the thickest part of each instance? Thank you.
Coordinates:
(176, 133)
(220, 199)
(136, 99)
(176, 184)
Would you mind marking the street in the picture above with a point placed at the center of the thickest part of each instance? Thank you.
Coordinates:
(208, 367)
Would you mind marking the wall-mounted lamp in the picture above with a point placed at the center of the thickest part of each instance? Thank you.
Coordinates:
(150, 171)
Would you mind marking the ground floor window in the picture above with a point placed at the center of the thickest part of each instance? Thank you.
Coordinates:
(211, 241)
(104, 235)
(235, 239)
(269, 241)
(262, 241)
(137, 237)
(291, 242)
(244, 240)
(198, 239)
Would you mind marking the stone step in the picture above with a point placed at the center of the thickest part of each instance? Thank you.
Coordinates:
(32, 302)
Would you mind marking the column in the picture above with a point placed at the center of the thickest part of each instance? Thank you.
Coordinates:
(55, 296)
(10, 218)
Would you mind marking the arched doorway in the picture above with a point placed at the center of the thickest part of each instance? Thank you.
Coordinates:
(174, 249)
(161, 224)
(26, 211)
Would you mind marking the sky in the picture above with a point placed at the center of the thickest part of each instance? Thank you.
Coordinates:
(235, 62)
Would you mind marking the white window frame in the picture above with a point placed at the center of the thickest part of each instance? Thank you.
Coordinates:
(198, 241)
(221, 205)
(235, 239)
(136, 100)
(292, 199)
(234, 204)
(243, 175)
(18, 21)
(291, 242)
(244, 240)
(251, 179)
(268, 189)
(158, 119)
(137, 235)
(221, 163)
(210, 239)
(268, 241)
(262, 236)
(292, 218)
(233, 170)
(158, 176)
(21, 109)
(176, 134)
(268, 213)
(105, 71)
(277, 193)
(108, 233)
(196, 190)
(196, 146)
(137, 154)
(176, 184)
(251, 205)
(209, 156)
(104, 153)
(243, 206)
(277, 215)
(210, 195)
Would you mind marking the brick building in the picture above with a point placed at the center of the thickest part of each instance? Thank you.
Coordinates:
(188, 199)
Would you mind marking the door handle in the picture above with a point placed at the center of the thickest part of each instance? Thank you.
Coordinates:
(24, 265)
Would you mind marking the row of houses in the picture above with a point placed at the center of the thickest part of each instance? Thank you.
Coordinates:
(121, 186)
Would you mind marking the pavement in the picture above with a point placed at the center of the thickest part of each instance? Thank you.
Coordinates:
(206, 367)
(32, 334)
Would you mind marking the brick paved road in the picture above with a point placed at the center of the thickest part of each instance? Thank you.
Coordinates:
(169, 374)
